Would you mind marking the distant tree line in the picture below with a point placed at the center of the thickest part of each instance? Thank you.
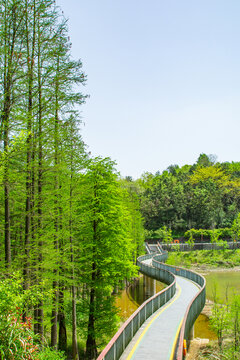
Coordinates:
(205, 195)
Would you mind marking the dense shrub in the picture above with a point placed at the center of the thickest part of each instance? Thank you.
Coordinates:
(17, 339)
(207, 235)
(163, 234)
(50, 354)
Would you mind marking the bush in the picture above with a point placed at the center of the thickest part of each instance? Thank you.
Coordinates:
(50, 354)
(16, 336)
(207, 234)
(17, 339)
(164, 234)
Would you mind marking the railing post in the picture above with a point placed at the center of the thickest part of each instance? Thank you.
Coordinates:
(115, 352)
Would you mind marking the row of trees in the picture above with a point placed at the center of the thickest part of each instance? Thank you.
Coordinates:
(202, 196)
(67, 222)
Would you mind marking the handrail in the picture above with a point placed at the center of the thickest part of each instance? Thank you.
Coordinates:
(194, 308)
(190, 317)
(165, 273)
(121, 339)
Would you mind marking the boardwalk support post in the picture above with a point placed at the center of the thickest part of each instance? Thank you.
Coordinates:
(191, 333)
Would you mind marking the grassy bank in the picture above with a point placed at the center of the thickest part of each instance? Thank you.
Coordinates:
(208, 258)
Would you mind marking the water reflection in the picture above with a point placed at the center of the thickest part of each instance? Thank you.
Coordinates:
(222, 285)
(128, 300)
(202, 328)
(131, 298)
(143, 289)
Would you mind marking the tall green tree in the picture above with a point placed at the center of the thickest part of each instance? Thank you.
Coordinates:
(11, 29)
(106, 236)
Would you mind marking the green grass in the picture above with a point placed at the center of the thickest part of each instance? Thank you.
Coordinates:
(211, 258)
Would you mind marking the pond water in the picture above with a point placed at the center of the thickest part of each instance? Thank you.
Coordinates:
(131, 298)
(202, 328)
(222, 284)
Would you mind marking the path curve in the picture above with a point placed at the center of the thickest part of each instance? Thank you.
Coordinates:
(158, 335)
(157, 329)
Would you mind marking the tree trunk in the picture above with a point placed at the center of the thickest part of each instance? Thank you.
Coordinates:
(75, 353)
(62, 342)
(56, 206)
(7, 82)
(54, 317)
(39, 312)
(30, 62)
(91, 347)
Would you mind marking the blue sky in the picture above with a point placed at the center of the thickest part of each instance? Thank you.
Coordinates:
(163, 79)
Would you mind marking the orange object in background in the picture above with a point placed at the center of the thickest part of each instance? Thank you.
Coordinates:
(184, 347)
(176, 241)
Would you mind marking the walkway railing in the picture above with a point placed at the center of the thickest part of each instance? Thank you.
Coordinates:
(166, 274)
(122, 338)
(201, 246)
(196, 305)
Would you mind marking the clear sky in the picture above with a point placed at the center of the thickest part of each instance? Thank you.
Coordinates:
(163, 79)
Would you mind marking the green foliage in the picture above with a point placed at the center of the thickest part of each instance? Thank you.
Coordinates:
(12, 295)
(215, 173)
(50, 354)
(236, 228)
(107, 235)
(17, 338)
(62, 214)
(207, 234)
(227, 258)
(191, 239)
(163, 234)
(219, 321)
(203, 196)
(206, 160)
(235, 322)
(225, 321)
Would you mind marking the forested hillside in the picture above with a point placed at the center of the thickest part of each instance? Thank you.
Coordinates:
(70, 229)
(205, 195)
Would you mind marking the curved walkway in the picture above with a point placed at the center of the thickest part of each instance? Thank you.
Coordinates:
(157, 329)
(157, 337)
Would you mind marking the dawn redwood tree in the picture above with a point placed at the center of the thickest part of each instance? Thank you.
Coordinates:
(30, 43)
(67, 73)
(38, 94)
(11, 29)
(133, 205)
(107, 244)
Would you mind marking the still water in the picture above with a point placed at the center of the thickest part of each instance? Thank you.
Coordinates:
(222, 285)
(131, 298)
